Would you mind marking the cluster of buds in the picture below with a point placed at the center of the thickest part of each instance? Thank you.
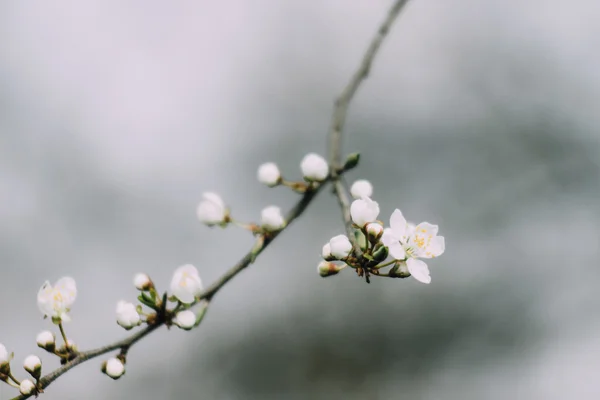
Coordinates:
(401, 246)
(32, 365)
(213, 211)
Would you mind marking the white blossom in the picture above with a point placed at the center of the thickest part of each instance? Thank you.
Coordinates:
(268, 174)
(409, 242)
(26, 387)
(4, 356)
(114, 368)
(212, 210)
(56, 301)
(340, 246)
(142, 281)
(186, 284)
(314, 167)
(33, 365)
(271, 218)
(185, 319)
(45, 339)
(361, 188)
(364, 211)
(326, 252)
(127, 315)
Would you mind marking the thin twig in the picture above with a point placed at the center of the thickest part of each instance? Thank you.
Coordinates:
(341, 109)
(208, 294)
(335, 138)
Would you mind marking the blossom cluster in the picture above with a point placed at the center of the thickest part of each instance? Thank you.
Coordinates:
(213, 211)
(402, 246)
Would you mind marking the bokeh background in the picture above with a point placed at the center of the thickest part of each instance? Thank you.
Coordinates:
(479, 115)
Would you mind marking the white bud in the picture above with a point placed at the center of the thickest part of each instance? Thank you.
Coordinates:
(340, 246)
(361, 188)
(269, 174)
(4, 356)
(127, 315)
(142, 282)
(212, 210)
(26, 387)
(271, 218)
(33, 365)
(314, 167)
(364, 211)
(185, 319)
(186, 284)
(326, 268)
(45, 339)
(374, 231)
(326, 252)
(114, 368)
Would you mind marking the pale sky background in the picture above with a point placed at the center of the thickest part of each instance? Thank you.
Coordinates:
(479, 115)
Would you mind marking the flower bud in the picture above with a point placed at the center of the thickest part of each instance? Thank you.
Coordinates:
(380, 254)
(326, 252)
(185, 319)
(212, 210)
(26, 387)
(186, 284)
(364, 211)
(142, 282)
(33, 365)
(314, 167)
(326, 268)
(114, 368)
(374, 232)
(4, 356)
(268, 174)
(340, 246)
(127, 315)
(361, 188)
(271, 218)
(351, 161)
(46, 340)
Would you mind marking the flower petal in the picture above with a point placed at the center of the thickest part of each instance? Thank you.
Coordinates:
(419, 270)
(397, 251)
(398, 224)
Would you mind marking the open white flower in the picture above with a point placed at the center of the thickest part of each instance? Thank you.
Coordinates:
(314, 167)
(56, 301)
(409, 242)
(212, 210)
(127, 315)
(268, 174)
(272, 219)
(364, 211)
(361, 188)
(340, 246)
(186, 284)
(114, 368)
(185, 319)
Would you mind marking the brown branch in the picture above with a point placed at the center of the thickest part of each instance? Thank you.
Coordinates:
(262, 243)
(335, 139)
(341, 109)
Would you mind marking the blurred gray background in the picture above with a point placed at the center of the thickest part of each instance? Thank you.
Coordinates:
(479, 115)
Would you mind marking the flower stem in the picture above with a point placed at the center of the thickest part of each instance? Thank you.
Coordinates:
(64, 336)
(387, 264)
(11, 376)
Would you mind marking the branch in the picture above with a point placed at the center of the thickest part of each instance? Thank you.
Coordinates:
(341, 108)
(262, 242)
(335, 141)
